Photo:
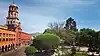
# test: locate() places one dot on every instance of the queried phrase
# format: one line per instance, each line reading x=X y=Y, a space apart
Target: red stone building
x=11 y=35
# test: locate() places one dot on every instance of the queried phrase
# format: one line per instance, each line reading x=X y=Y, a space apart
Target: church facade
x=11 y=35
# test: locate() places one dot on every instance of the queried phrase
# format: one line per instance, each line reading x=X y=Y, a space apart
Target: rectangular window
x=0 y=39
x=11 y=39
x=4 y=34
x=7 y=39
x=11 y=22
x=3 y=39
x=14 y=35
x=0 y=34
x=11 y=35
x=7 y=35
x=8 y=22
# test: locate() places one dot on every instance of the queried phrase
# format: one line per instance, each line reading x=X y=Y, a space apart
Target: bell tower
x=12 y=20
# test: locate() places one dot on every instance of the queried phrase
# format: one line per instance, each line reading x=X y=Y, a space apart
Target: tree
x=98 y=39
x=49 y=31
x=70 y=24
x=87 y=37
x=55 y=28
x=46 y=41
x=67 y=33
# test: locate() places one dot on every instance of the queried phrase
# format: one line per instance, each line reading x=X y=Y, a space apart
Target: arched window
x=8 y=22
x=11 y=14
x=7 y=39
x=10 y=8
x=15 y=14
x=11 y=22
x=14 y=8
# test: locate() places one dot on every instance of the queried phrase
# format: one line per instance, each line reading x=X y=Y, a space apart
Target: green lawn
x=80 y=54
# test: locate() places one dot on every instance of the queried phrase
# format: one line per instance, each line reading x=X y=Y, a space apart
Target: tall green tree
x=70 y=26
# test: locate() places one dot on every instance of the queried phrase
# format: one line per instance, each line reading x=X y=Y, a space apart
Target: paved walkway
x=17 y=52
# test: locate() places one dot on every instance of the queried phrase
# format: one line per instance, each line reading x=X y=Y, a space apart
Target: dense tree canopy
x=68 y=33
x=88 y=37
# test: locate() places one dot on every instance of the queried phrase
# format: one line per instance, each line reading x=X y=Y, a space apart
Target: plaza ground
x=17 y=52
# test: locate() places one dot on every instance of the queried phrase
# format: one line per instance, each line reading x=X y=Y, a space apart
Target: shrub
x=46 y=41
x=30 y=50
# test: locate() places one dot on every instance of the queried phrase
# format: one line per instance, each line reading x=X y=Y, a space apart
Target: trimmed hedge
x=46 y=41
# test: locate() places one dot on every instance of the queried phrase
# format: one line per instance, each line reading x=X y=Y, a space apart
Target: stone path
x=17 y=52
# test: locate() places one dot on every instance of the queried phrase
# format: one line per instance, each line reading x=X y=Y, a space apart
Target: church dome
x=13 y=5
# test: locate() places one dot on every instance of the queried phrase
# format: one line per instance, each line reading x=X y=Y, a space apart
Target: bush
x=30 y=50
x=46 y=41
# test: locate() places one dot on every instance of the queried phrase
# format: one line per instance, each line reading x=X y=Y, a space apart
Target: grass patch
x=81 y=54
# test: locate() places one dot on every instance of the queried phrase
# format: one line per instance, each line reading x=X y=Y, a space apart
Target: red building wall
x=25 y=38
x=12 y=37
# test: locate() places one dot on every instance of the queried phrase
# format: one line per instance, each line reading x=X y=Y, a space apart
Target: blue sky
x=36 y=14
